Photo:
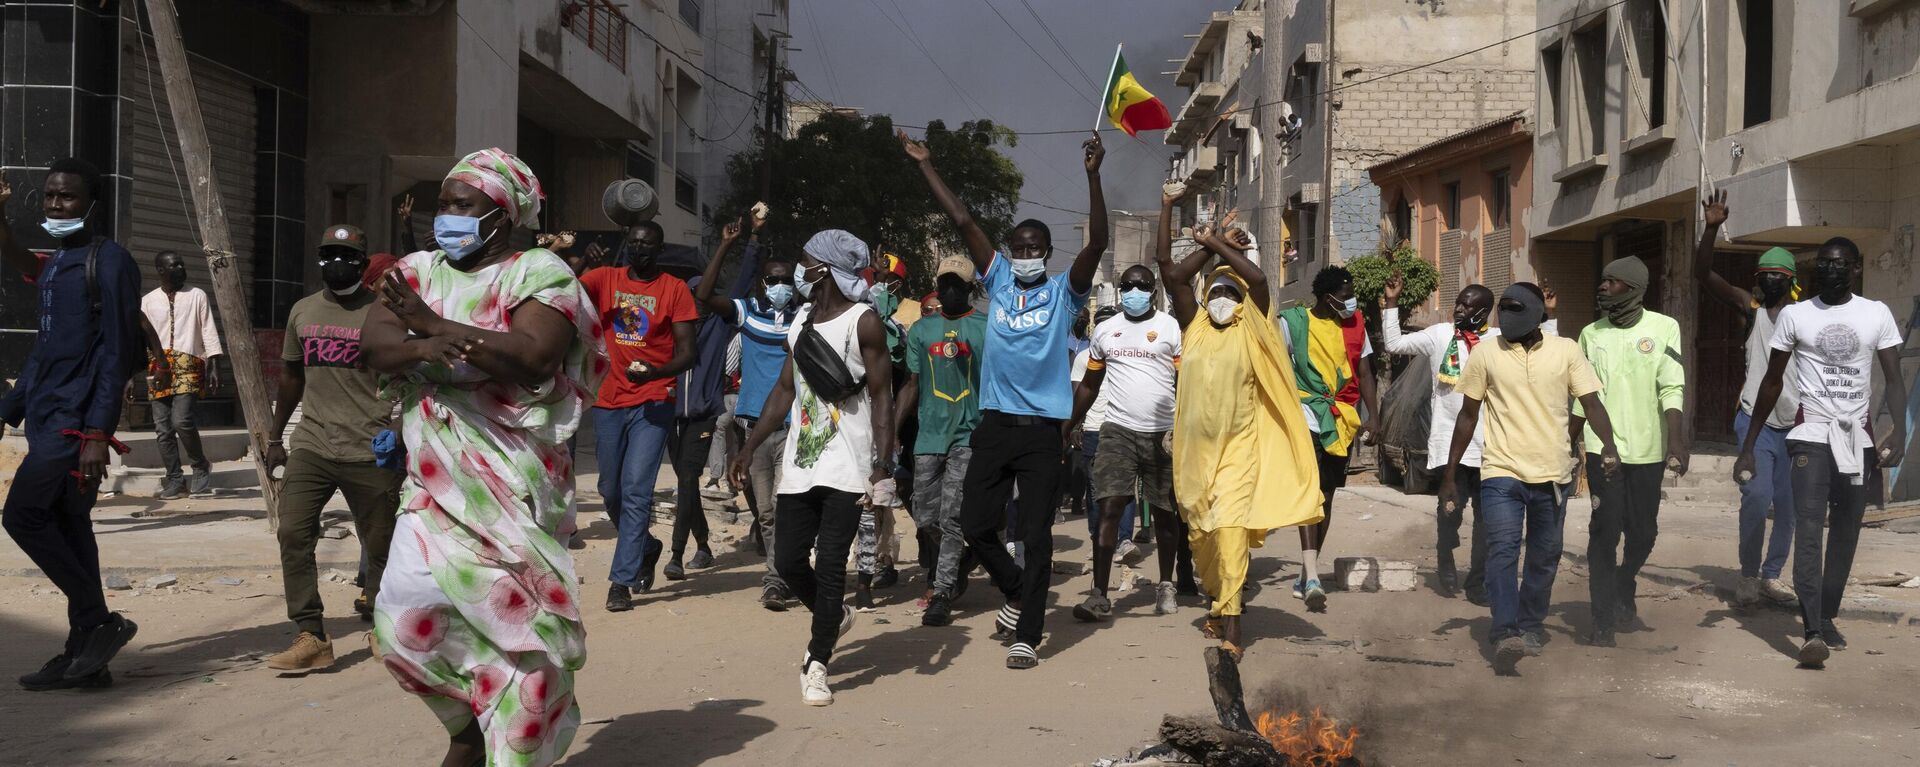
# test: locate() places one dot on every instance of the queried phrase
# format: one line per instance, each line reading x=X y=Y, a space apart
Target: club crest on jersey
x=1152 y=335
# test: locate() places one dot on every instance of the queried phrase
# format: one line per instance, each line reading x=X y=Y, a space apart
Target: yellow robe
x=1242 y=454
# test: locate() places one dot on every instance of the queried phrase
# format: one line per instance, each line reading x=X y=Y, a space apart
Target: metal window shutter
x=160 y=219
x=1496 y=260
x=1451 y=279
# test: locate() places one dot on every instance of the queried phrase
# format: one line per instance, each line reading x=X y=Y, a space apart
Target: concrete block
x=1373 y=574
x=162 y=581
x=118 y=583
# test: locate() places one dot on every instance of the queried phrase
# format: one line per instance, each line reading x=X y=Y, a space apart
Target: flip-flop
x=1232 y=649
x=1211 y=629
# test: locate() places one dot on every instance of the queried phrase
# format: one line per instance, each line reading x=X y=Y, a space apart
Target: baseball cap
x=344 y=235
x=959 y=266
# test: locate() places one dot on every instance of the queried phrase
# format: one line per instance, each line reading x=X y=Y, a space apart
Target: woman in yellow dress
x=1238 y=432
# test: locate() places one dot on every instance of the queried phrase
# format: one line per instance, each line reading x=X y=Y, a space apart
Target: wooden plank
x=1888 y=515
x=228 y=285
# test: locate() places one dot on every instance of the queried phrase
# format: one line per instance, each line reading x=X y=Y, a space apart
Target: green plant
x=1370 y=275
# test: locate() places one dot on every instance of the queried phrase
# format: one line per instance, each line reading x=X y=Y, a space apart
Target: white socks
x=1309 y=565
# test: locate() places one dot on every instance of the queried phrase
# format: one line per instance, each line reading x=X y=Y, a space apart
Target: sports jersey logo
x=1153 y=335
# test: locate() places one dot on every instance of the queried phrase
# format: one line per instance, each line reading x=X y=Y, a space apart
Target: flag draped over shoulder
x=1130 y=107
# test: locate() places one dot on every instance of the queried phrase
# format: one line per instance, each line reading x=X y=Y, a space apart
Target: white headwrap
x=845 y=255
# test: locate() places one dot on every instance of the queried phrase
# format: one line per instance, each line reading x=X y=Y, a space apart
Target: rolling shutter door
x=1450 y=278
x=1496 y=260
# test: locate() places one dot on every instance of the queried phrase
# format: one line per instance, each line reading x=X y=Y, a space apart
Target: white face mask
x=1222 y=310
x=1347 y=309
x=804 y=286
x=1028 y=269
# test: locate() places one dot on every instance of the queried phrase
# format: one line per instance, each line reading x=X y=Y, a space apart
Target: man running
x=69 y=395
x=839 y=452
x=1447 y=348
x=182 y=318
x=1331 y=364
x=1025 y=394
x=1635 y=352
x=649 y=320
x=1770 y=492
x=341 y=409
x=763 y=317
x=1140 y=350
x=1524 y=378
x=943 y=384
x=1832 y=342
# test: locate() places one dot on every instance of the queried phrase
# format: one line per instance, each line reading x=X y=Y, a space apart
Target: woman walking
x=489 y=350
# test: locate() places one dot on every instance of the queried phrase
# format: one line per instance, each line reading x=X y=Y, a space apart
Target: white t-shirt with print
x=1140 y=358
x=1832 y=369
x=1097 y=412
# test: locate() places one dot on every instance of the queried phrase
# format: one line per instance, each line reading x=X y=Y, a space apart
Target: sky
x=888 y=57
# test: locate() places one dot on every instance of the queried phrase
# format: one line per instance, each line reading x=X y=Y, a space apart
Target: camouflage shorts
x=1125 y=457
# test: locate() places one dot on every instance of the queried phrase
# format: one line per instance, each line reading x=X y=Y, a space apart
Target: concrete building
x=334 y=111
x=1216 y=125
x=1807 y=114
x=1463 y=202
x=1356 y=83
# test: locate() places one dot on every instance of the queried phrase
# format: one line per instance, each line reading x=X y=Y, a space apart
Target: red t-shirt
x=638 y=316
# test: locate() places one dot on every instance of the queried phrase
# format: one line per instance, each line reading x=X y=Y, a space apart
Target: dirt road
x=700 y=674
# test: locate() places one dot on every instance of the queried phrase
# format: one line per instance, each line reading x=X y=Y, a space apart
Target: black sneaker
x=886 y=578
x=648 y=562
x=774 y=597
x=619 y=598
x=1447 y=578
x=363 y=606
x=1097 y=609
x=1830 y=634
x=939 y=611
x=102 y=643
x=701 y=560
x=1601 y=637
x=1536 y=643
x=675 y=571
x=96 y=680
x=1507 y=655
x=50 y=676
x=1814 y=653
x=863 y=597
x=1478 y=597
x=1627 y=615
x=172 y=490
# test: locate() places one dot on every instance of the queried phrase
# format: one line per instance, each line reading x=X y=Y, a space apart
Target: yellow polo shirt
x=1524 y=396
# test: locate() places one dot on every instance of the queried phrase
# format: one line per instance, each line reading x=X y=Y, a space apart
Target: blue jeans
x=1090 y=444
x=1770 y=494
x=630 y=442
x=1512 y=511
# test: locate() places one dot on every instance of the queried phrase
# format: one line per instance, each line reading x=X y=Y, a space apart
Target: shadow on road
x=710 y=730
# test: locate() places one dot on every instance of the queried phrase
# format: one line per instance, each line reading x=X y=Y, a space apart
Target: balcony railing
x=601 y=24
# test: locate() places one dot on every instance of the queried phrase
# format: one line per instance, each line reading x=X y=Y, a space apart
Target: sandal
x=1232 y=649
x=1211 y=628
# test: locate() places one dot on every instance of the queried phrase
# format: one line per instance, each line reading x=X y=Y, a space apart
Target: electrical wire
x=1036 y=54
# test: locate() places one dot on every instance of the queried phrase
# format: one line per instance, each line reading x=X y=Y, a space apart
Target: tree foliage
x=848 y=172
x=1370 y=274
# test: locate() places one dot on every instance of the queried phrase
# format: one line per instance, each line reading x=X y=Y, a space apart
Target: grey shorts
x=1125 y=456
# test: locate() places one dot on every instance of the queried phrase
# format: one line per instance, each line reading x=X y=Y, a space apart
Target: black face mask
x=638 y=257
x=1772 y=290
x=1474 y=322
x=175 y=276
x=1836 y=278
x=341 y=274
x=954 y=298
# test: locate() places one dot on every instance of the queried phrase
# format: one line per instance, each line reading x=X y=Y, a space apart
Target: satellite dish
x=629 y=201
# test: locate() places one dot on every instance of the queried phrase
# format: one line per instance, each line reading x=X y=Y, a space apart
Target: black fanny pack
x=824 y=368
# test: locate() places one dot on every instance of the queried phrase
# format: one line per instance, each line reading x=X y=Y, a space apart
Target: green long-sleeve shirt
x=1641 y=377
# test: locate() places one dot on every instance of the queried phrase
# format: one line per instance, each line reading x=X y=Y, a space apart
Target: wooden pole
x=228 y=293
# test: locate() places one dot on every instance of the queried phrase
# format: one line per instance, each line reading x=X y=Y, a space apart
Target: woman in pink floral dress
x=488 y=349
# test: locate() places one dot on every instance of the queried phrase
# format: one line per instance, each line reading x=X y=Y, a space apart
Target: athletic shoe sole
x=1506 y=659
x=1316 y=601
x=1814 y=654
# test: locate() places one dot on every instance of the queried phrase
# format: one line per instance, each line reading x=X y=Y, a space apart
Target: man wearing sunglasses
x=1026 y=395
x=763 y=318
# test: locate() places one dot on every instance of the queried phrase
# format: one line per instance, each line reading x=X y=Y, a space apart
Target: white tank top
x=829 y=444
x=1757 y=353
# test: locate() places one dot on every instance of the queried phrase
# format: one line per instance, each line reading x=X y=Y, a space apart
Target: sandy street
x=700 y=674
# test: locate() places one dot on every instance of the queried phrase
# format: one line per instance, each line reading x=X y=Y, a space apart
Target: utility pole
x=770 y=106
x=227 y=291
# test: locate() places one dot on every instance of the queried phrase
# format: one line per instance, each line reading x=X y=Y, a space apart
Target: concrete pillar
x=1273 y=81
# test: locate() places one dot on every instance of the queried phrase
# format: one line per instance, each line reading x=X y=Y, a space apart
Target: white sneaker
x=846 y=619
x=1164 y=602
x=813 y=685
x=1779 y=590
x=1127 y=553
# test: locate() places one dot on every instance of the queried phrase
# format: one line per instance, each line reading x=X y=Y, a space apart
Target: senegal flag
x=1128 y=106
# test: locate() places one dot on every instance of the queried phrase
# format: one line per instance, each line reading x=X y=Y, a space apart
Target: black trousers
x=1466 y=481
x=1010 y=451
x=821 y=520
x=1824 y=498
x=50 y=516
x=687 y=450
x=1626 y=506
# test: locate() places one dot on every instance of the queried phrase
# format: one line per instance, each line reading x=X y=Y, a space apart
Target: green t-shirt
x=945 y=354
x=1640 y=379
x=341 y=408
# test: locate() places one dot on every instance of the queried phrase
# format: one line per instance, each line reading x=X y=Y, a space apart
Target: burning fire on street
x=1276 y=738
x=1315 y=740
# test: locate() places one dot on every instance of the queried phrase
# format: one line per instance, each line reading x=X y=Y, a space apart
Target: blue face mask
x=1028 y=270
x=779 y=296
x=1347 y=308
x=460 y=236
x=1136 y=302
x=62 y=228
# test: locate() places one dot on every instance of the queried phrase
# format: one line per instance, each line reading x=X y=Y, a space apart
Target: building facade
x=1806 y=114
x=1215 y=127
x=1462 y=203
x=1355 y=83
x=328 y=111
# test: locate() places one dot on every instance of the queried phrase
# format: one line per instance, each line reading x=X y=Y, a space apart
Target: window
x=1756 y=31
x=1551 y=115
x=1500 y=199
x=1590 y=73
x=1450 y=210
x=601 y=25
x=1303 y=92
x=1306 y=238
x=690 y=12
x=641 y=165
x=686 y=191
x=1400 y=222
x=1646 y=65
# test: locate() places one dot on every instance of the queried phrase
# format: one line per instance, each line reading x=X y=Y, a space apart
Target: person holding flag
x=1128 y=106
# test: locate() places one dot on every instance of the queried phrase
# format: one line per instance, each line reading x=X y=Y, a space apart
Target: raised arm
x=979 y=248
x=1177 y=279
x=1398 y=341
x=710 y=277
x=1234 y=252
x=1085 y=264
x=1713 y=213
x=405 y=213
